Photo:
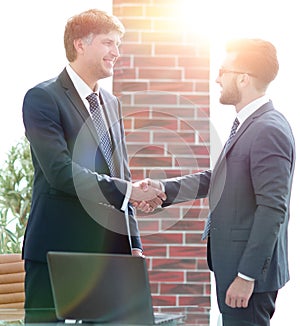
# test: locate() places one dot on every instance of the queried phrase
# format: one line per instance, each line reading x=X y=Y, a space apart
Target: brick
x=195 y=212
x=163 y=238
x=169 y=86
x=198 y=163
x=137 y=23
x=177 y=50
x=202 y=86
x=196 y=73
x=189 y=149
x=163 y=300
x=136 y=48
x=194 y=62
x=137 y=136
x=196 y=276
x=166 y=276
x=154 y=98
x=139 y=112
x=125 y=61
x=155 y=73
x=203 y=112
x=184 y=225
x=202 y=98
x=154 y=288
x=162 y=37
x=158 y=124
x=148 y=161
x=157 y=251
x=144 y=149
x=130 y=86
x=173 y=137
x=200 y=125
x=148 y=226
x=118 y=3
x=166 y=173
x=122 y=73
x=137 y=174
x=199 y=300
x=160 y=10
x=131 y=37
x=176 y=111
x=128 y=123
x=173 y=264
x=153 y=62
x=131 y=11
x=185 y=289
x=188 y=251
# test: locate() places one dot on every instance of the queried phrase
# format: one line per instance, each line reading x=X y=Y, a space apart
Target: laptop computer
x=103 y=288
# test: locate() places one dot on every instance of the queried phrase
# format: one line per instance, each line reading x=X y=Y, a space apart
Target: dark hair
x=89 y=22
x=255 y=56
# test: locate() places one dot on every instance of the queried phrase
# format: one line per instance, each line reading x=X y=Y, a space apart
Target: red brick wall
x=162 y=79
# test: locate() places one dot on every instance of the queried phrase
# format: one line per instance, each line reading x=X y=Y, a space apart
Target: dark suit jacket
x=249 y=194
x=75 y=204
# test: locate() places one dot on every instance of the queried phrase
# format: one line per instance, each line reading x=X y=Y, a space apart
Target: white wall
x=32 y=51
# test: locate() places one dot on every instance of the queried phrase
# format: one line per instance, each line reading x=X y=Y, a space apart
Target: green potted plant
x=16 y=176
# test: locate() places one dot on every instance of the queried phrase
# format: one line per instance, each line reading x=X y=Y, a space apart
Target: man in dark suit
x=82 y=189
x=249 y=190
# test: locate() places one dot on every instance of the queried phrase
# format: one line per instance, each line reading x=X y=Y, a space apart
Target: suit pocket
x=240 y=234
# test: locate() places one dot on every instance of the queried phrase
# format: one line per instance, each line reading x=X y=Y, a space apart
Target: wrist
x=245 y=277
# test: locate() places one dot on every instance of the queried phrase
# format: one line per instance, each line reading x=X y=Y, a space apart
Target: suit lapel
x=110 y=105
x=247 y=123
x=77 y=104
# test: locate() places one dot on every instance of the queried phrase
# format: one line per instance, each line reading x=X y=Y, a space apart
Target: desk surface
x=16 y=317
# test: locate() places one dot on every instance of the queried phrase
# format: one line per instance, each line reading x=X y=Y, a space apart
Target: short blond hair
x=90 y=22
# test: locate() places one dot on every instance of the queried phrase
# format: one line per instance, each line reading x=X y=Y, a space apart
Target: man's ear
x=244 y=79
x=79 y=45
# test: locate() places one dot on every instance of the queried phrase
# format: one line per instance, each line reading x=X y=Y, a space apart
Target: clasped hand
x=147 y=195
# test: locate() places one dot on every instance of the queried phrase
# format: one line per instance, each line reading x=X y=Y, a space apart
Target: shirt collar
x=81 y=87
x=251 y=108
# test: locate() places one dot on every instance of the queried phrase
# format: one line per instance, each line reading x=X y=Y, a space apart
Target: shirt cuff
x=162 y=186
x=127 y=196
x=245 y=277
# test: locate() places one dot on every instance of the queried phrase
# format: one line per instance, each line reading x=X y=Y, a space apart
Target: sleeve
x=271 y=168
x=186 y=188
x=47 y=135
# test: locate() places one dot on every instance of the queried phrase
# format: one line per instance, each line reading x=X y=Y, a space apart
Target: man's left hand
x=239 y=293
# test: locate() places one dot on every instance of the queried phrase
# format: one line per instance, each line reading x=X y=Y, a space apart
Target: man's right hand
x=147 y=195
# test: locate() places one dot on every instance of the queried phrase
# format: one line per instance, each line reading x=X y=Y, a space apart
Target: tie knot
x=92 y=99
x=235 y=124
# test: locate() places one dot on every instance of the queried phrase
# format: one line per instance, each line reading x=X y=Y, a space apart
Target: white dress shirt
x=84 y=90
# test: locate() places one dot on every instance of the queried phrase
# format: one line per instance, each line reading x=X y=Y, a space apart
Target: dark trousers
x=260 y=310
x=39 y=304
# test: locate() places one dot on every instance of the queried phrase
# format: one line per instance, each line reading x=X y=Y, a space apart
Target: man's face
x=227 y=79
x=100 y=54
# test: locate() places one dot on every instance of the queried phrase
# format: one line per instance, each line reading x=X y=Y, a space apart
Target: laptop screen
x=101 y=287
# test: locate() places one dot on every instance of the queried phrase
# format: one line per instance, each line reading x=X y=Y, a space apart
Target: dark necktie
x=102 y=131
x=232 y=133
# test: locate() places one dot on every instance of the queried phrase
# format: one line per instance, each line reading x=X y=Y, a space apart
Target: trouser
x=39 y=303
x=260 y=310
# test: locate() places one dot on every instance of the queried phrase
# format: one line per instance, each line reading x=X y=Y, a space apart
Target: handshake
x=147 y=195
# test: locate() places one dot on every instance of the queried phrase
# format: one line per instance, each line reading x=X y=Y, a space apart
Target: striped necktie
x=232 y=133
x=102 y=131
